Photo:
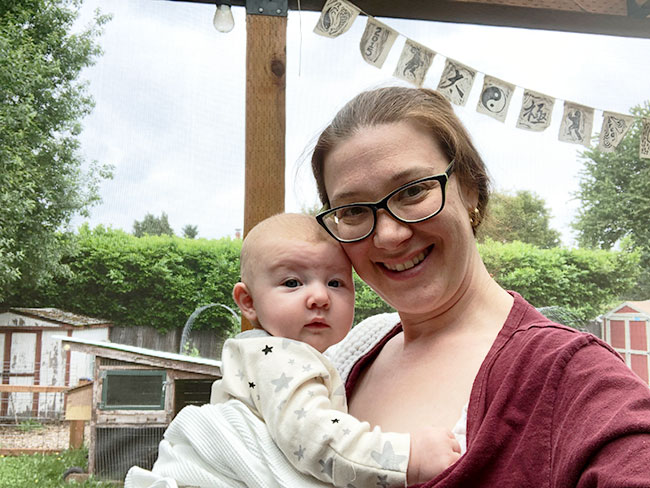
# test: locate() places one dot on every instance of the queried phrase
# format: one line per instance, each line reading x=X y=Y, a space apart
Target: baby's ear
x=244 y=301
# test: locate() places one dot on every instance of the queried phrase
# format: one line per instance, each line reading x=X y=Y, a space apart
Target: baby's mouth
x=410 y=263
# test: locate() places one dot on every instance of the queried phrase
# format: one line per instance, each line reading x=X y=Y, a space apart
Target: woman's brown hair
x=395 y=104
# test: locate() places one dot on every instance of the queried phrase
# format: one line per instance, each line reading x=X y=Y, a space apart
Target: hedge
x=160 y=280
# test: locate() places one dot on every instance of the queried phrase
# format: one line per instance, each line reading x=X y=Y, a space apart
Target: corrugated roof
x=60 y=316
x=142 y=351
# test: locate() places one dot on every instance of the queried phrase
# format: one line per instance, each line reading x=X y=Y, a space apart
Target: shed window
x=134 y=389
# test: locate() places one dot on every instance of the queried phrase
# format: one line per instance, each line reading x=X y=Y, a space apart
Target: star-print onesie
x=297 y=392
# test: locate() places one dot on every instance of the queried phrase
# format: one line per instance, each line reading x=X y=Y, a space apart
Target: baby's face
x=304 y=291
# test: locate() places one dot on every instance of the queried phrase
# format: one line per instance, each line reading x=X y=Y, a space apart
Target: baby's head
x=296 y=281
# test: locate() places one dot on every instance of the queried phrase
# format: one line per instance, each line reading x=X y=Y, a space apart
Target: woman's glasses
x=411 y=203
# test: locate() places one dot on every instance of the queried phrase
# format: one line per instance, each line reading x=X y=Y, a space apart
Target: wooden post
x=266 y=38
x=77 y=434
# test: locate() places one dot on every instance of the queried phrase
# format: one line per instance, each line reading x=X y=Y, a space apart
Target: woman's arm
x=601 y=434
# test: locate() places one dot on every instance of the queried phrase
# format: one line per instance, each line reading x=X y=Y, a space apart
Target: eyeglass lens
x=415 y=202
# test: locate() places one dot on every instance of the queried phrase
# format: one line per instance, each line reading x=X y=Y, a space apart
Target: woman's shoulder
x=360 y=340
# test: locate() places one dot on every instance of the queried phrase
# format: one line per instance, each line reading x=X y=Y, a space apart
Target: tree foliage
x=153 y=226
x=614 y=199
x=190 y=231
x=160 y=280
x=519 y=217
x=584 y=281
x=42 y=102
x=156 y=281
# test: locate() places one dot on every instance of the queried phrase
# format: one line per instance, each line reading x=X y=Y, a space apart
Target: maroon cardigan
x=550 y=407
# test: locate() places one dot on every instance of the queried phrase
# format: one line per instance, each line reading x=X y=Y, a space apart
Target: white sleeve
x=301 y=397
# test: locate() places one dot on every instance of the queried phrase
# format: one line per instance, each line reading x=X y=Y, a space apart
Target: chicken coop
x=136 y=393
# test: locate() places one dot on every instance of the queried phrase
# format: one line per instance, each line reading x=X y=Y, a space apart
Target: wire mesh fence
x=31 y=416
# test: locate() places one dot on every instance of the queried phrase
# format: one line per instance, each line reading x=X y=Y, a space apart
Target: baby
x=297 y=290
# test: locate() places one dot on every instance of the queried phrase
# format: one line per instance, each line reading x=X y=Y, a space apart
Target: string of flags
x=457 y=80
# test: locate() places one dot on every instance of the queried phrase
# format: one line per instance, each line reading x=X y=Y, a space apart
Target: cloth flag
x=576 y=125
x=414 y=62
x=644 y=145
x=336 y=18
x=456 y=82
x=495 y=98
x=376 y=42
x=536 y=110
x=615 y=126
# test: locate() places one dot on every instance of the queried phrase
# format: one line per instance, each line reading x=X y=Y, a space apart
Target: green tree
x=614 y=199
x=42 y=102
x=153 y=226
x=190 y=231
x=520 y=217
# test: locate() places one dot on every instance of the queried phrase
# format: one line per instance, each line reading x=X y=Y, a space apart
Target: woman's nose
x=318 y=297
x=389 y=232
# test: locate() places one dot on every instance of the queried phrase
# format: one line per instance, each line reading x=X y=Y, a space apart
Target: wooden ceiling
x=626 y=18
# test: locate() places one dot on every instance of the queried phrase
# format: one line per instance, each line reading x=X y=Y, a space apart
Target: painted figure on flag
x=414 y=62
x=336 y=18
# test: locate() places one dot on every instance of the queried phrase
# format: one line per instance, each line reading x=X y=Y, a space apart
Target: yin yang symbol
x=493 y=99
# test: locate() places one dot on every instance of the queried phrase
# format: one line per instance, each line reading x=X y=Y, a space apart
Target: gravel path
x=50 y=436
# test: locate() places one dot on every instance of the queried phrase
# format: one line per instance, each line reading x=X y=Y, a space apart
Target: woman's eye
x=351 y=214
x=291 y=283
x=334 y=283
x=412 y=191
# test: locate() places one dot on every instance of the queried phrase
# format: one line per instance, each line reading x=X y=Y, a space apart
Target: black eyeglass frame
x=442 y=178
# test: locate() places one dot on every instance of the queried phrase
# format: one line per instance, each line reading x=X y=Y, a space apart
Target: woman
x=547 y=405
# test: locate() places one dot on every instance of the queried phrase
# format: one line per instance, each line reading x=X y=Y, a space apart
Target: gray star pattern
x=306 y=367
x=310 y=393
x=292 y=361
x=327 y=466
x=382 y=481
x=302 y=413
x=300 y=453
x=346 y=431
x=388 y=459
x=282 y=382
x=240 y=374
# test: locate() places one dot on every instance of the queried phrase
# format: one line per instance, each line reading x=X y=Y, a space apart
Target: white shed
x=31 y=356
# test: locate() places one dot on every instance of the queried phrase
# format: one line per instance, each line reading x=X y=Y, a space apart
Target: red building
x=625 y=328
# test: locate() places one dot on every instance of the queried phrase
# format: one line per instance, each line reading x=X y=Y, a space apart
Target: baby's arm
x=300 y=396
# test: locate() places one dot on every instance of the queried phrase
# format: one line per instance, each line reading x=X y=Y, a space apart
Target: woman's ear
x=244 y=301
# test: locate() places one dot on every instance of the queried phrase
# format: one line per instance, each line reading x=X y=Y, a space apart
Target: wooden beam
x=266 y=60
x=482 y=13
x=32 y=389
x=265 y=117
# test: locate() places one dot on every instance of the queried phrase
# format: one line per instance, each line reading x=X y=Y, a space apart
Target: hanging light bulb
x=223 y=20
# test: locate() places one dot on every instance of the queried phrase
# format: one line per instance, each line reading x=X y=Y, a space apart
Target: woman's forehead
x=380 y=158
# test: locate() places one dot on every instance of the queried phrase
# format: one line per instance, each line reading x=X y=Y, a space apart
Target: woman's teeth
x=408 y=264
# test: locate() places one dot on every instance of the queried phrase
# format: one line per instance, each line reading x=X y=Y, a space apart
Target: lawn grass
x=44 y=470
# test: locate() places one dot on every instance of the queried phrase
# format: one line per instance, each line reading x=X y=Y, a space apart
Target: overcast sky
x=170 y=105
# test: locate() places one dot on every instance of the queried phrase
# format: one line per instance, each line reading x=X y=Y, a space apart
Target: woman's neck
x=481 y=307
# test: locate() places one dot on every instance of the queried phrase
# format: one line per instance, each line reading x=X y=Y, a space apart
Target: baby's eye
x=291 y=283
x=334 y=283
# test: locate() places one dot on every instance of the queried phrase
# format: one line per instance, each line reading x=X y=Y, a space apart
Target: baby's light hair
x=290 y=226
